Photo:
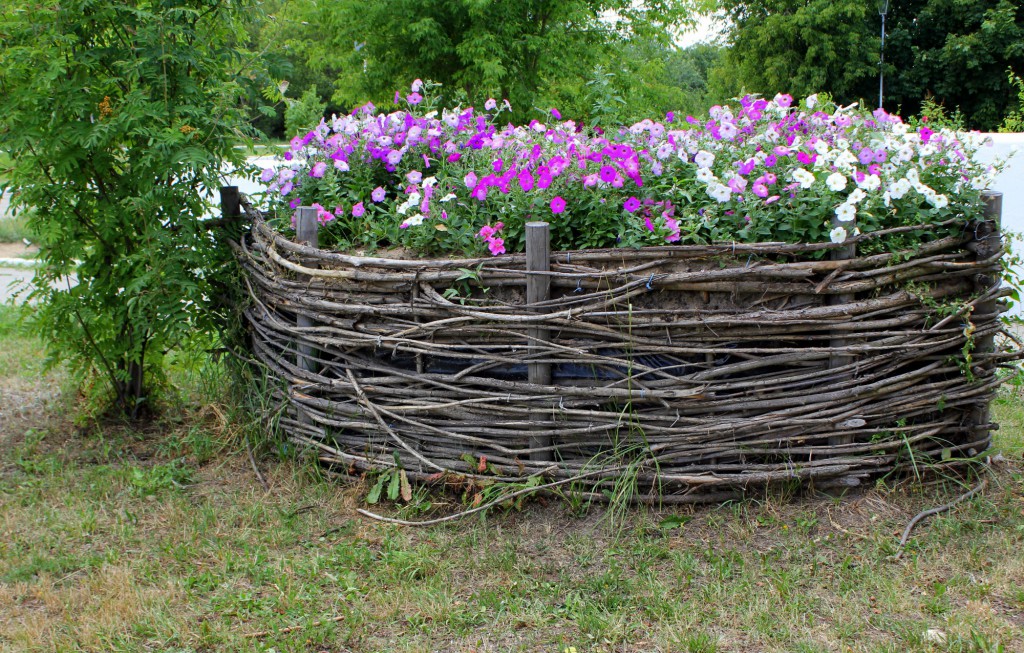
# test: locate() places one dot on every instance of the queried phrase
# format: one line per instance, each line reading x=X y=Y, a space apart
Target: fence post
x=306 y=226
x=988 y=241
x=538 y=289
x=231 y=212
x=837 y=340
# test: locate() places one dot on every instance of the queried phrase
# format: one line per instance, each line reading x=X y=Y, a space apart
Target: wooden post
x=988 y=242
x=231 y=212
x=836 y=360
x=306 y=226
x=538 y=289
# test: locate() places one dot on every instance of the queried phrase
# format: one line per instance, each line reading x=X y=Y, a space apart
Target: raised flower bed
x=695 y=368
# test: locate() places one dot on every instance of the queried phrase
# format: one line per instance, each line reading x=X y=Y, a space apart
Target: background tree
x=535 y=53
x=121 y=119
x=955 y=52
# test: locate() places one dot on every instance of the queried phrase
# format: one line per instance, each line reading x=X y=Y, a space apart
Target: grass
x=115 y=538
x=15 y=229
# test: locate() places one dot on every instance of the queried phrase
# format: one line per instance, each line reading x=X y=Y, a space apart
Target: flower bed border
x=821 y=370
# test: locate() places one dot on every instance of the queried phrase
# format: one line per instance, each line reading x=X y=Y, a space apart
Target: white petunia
x=704 y=159
x=846 y=212
x=414 y=221
x=719 y=192
x=811 y=101
x=856 y=196
x=447 y=198
x=870 y=183
x=838 y=235
x=705 y=176
x=803 y=177
x=899 y=188
x=836 y=182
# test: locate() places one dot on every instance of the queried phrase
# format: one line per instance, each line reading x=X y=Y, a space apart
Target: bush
x=121 y=119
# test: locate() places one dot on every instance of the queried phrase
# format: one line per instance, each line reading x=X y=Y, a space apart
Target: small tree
x=121 y=119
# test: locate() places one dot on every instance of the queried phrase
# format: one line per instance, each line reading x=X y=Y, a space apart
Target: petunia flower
x=557 y=205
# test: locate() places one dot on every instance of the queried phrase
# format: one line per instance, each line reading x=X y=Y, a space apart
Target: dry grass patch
x=118 y=538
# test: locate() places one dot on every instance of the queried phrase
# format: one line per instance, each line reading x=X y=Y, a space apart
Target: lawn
x=119 y=538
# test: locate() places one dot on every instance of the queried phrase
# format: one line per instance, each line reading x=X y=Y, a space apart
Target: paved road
x=12 y=280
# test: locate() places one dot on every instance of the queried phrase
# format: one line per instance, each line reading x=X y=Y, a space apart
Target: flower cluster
x=450 y=180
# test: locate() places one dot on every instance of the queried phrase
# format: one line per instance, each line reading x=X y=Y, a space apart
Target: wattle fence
x=697 y=372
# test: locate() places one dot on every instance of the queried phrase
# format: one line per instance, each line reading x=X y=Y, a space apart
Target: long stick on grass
x=934 y=511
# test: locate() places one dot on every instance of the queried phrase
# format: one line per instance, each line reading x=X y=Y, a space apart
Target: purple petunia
x=526 y=181
x=631 y=205
x=557 y=205
x=378 y=194
x=358 y=210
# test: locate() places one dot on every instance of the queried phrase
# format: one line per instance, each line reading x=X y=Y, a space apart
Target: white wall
x=1011 y=184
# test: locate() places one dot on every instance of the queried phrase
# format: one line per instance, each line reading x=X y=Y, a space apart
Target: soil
x=17 y=250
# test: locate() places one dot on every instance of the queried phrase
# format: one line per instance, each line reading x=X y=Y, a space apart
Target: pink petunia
x=557 y=205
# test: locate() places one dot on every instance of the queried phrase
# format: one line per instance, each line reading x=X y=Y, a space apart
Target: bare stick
x=255 y=468
x=935 y=511
x=486 y=506
x=291 y=629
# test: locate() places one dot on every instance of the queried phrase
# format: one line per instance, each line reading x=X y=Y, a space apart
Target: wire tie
x=649 y=282
x=579 y=286
x=568 y=258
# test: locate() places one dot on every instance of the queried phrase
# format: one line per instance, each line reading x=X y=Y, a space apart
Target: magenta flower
x=526 y=181
x=648 y=223
x=670 y=116
x=557 y=205
x=760 y=190
x=318 y=169
x=631 y=205
x=358 y=210
x=590 y=181
x=288 y=156
x=378 y=194
x=556 y=113
x=772 y=200
x=608 y=174
x=496 y=245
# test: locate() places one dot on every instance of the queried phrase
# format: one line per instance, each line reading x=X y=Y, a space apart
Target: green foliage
x=797 y=47
x=955 y=52
x=1014 y=121
x=303 y=114
x=121 y=119
x=534 y=53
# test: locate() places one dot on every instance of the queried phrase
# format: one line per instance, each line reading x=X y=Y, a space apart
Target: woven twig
x=711 y=369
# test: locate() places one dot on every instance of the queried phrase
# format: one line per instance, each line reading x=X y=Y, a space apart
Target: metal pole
x=883 y=9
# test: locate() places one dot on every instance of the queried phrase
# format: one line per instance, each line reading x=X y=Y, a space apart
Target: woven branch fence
x=699 y=372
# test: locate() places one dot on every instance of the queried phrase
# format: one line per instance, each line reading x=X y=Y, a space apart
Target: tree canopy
x=121 y=118
x=954 y=52
x=534 y=53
